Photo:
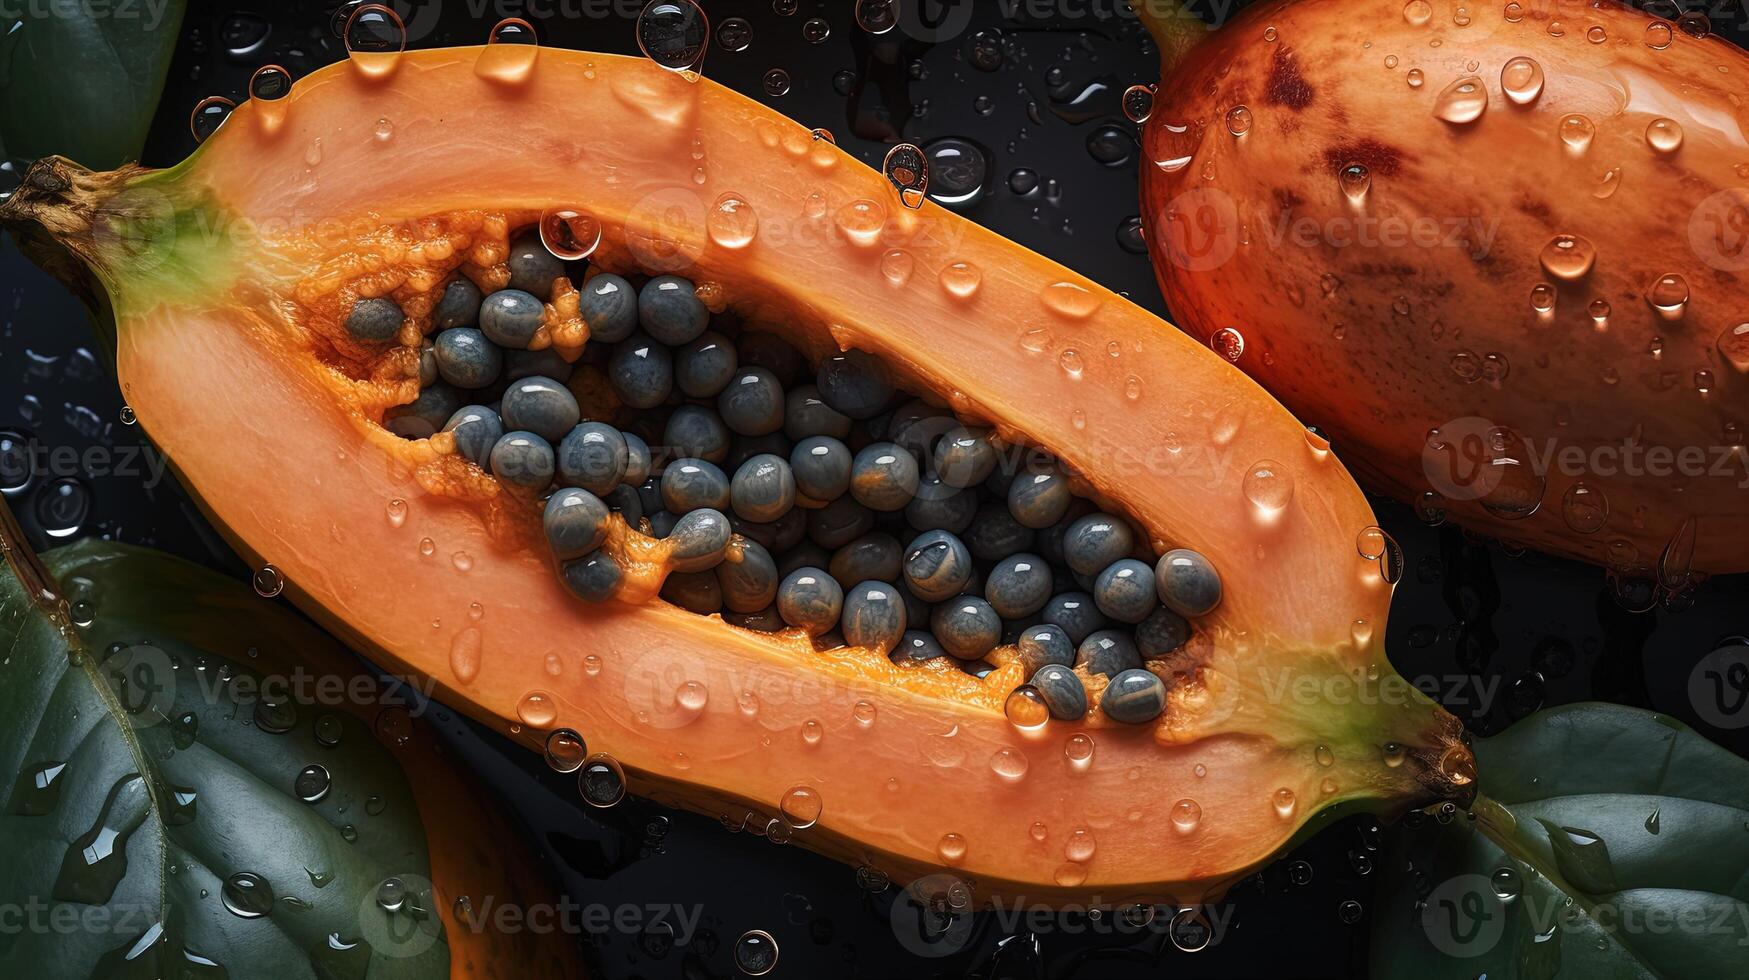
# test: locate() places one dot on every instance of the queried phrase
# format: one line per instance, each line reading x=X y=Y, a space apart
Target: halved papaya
x=232 y=278
x=1496 y=252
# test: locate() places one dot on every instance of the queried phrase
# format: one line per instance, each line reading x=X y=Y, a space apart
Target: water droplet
x=732 y=222
x=1138 y=103
x=734 y=34
x=1186 y=814
x=776 y=82
x=1576 y=132
x=1070 y=300
x=815 y=30
x=1026 y=709
x=1284 y=802
x=1078 y=750
x=464 y=655
x=812 y=732
x=1463 y=101
x=1393 y=754
x=1585 y=508
x=1664 y=135
x=565 y=750
x=209 y=114
x=512 y=47
x=801 y=807
x=1080 y=846
x=462 y=561
x=1239 y=120
x=1695 y=24
x=247 y=895
x=601 y=781
x=1568 y=257
x=375 y=38
x=312 y=783
x=861 y=221
x=1008 y=765
x=1269 y=487
x=863 y=713
x=1596 y=34
x=1658 y=35
x=897 y=266
x=1542 y=299
x=1190 y=929
x=1652 y=822
x=270 y=83
x=268 y=581
x=1229 y=343
x=569 y=233
x=952 y=848
x=1507 y=884
x=756 y=953
x=1668 y=295
x=674 y=34
x=1355 y=180
x=907 y=169
x=1071 y=363
x=961 y=279
x=1417 y=12
x=536 y=709
x=1416 y=78
x=1522 y=80
x=397 y=512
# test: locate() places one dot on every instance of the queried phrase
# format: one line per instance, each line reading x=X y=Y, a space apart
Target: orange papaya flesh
x=232 y=352
x=1520 y=307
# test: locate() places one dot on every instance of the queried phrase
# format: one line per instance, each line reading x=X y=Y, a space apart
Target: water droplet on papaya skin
x=375 y=38
x=1522 y=80
x=512 y=47
x=1229 y=343
x=1668 y=296
x=1733 y=344
x=1585 y=508
x=1664 y=135
x=1138 y=103
x=952 y=848
x=1186 y=814
x=1416 y=78
x=1576 y=132
x=861 y=221
x=1658 y=35
x=1269 y=487
x=1568 y=257
x=565 y=750
x=1025 y=709
x=1462 y=102
x=1355 y=179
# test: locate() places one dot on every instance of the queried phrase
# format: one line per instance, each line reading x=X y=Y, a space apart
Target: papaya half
x=1495 y=251
x=251 y=344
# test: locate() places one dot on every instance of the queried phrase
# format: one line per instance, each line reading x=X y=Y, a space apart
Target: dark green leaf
x=83 y=79
x=147 y=765
x=1609 y=842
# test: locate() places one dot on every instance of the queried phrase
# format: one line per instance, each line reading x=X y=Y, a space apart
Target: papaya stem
x=1176 y=29
x=38 y=582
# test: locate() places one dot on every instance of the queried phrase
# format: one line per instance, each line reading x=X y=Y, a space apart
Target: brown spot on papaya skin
x=1286 y=85
x=1534 y=208
x=1286 y=200
x=1382 y=159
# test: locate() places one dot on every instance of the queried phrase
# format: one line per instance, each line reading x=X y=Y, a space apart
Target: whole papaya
x=1495 y=251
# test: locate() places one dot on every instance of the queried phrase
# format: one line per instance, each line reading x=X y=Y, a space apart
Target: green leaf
x=1609 y=842
x=83 y=79
x=152 y=756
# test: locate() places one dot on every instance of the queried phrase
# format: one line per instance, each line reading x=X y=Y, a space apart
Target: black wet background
x=1494 y=635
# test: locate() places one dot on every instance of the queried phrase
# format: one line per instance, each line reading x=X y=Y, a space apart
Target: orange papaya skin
x=1422 y=302
x=1280 y=711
